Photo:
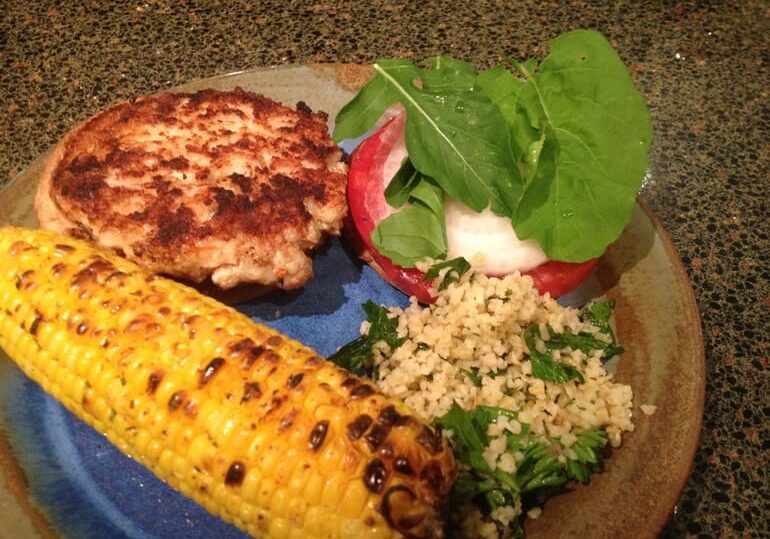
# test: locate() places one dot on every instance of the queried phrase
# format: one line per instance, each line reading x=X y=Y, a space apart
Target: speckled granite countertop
x=703 y=68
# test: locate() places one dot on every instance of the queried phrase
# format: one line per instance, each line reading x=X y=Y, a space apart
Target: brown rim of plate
x=683 y=277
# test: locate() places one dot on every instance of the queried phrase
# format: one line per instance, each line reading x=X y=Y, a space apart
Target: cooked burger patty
x=227 y=185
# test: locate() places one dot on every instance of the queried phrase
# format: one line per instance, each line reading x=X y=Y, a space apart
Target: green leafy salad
x=559 y=146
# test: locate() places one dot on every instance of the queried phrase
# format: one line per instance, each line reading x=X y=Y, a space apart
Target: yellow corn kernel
x=279 y=528
x=251 y=424
x=265 y=493
x=296 y=509
x=314 y=489
x=278 y=505
x=246 y=513
x=141 y=440
x=302 y=472
x=200 y=450
x=314 y=517
x=251 y=484
x=333 y=491
x=353 y=499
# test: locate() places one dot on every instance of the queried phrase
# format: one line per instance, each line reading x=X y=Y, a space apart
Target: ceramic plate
x=59 y=478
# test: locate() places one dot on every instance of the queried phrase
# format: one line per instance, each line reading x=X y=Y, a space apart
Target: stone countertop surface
x=702 y=66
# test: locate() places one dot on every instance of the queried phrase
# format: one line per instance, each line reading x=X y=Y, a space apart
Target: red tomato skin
x=558 y=278
x=366 y=185
x=366 y=199
x=367 y=204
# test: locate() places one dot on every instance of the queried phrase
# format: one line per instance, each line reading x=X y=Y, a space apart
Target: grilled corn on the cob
x=252 y=425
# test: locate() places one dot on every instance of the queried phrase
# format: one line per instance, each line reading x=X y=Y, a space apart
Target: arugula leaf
x=503 y=88
x=455 y=134
x=448 y=74
x=416 y=231
x=428 y=193
x=401 y=185
x=594 y=156
x=411 y=235
x=543 y=364
x=354 y=354
x=459 y=266
x=363 y=111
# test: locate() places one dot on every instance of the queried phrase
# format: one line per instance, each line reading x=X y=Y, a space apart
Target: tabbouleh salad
x=516 y=382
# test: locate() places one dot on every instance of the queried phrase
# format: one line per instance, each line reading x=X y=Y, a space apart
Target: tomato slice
x=366 y=199
x=558 y=278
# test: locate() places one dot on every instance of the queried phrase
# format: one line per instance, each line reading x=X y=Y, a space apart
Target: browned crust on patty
x=227 y=186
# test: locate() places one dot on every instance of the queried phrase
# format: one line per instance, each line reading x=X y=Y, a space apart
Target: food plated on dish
x=287 y=308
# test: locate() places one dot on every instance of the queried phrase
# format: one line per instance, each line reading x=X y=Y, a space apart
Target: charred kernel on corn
x=318 y=435
x=294 y=379
x=154 y=381
x=359 y=392
x=402 y=466
x=210 y=370
x=375 y=475
x=252 y=425
x=251 y=390
x=235 y=473
x=176 y=400
x=358 y=426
